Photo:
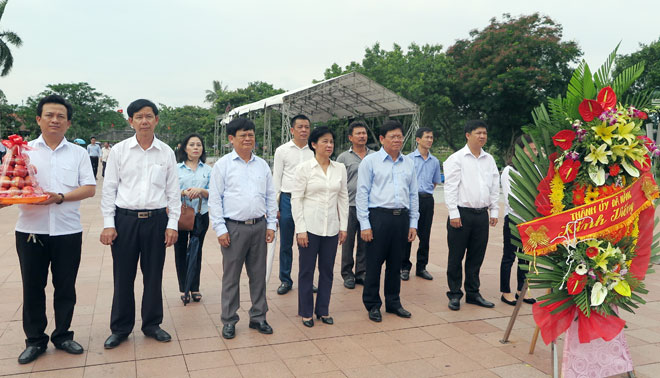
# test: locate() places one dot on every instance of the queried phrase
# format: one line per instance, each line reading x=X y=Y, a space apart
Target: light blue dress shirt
x=385 y=183
x=241 y=191
x=198 y=178
x=428 y=171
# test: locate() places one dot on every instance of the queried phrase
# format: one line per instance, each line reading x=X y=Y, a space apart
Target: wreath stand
x=532 y=346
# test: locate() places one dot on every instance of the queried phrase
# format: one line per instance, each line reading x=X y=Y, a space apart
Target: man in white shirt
x=287 y=157
x=141 y=205
x=105 y=152
x=50 y=233
x=243 y=213
x=471 y=190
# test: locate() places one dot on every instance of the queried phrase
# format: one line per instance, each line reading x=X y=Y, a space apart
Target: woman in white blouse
x=319 y=204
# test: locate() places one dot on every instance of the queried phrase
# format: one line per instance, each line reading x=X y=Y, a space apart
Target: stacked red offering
x=18 y=181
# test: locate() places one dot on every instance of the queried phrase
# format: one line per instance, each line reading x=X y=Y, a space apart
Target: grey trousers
x=247 y=245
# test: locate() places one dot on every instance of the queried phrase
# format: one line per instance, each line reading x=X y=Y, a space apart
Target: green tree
x=255 y=91
x=213 y=94
x=175 y=123
x=93 y=111
x=422 y=74
x=7 y=38
x=506 y=69
x=650 y=55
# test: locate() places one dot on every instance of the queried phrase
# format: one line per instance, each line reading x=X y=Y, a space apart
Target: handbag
x=187 y=217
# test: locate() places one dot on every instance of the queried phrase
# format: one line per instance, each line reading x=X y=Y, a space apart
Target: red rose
x=607 y=98
x=592 y=252
x=569 y=170
x=590 y=109
x=564 y=139
x=576 y=283
x=642 y=115
x=614 y=169
x=645 y=165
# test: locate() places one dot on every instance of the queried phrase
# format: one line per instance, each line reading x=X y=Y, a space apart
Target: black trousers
x=95 y=164
x=390 y=234
x=508 y=257
x=180 y=256
x=347 y=261
x=426 y=208
x=325 y=248
x=36 y=252
x=103 y=171
x=469 y=241
x=140 y=239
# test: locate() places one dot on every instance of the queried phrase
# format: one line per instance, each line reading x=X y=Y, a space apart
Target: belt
x=402 y=211
x=142 y=214
x=474 y=210
x=249 y=221
x=425 y=195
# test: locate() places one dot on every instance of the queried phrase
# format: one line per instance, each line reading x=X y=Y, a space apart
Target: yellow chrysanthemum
x=591 y=197
x=557 y=194
x=635 y=229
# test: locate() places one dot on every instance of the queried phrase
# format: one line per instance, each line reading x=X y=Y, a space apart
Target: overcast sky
x=171 y=51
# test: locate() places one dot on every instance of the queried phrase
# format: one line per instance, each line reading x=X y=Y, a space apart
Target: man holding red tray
x=49 y=233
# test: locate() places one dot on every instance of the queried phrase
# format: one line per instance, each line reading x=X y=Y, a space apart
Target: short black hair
x=519 y=140
x=55 y=99
x=389 y=126
x=139 y=104
x=93 y=137
x=420 y=132
x=182 y=155
x=241 y=123
x=300 y=116
x=354 y=125
x=318 y=133
x=474 y=124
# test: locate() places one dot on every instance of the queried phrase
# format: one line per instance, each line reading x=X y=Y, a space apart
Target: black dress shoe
x=228 y=331
x=424 y=274
x=400 y=312
x=405 y=275
x=326 y=319
x=114 y=340
x=159 y=335
x=349 y=283
x=454 y=304
x=315 y=289
x=374 y=315
x=70 y=346
x=510 y=303
x=283 y=289
x=262 y=327
x=479 y=301
x=359 y=280
x=30 y=354
x=308 y=323
x=527 y=300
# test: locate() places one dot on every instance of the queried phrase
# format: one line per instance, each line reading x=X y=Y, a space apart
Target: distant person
x=49 y=233
x=105 y=152
x=357 y=135
x=94 y=151
x=141 y=205
x=194 y=177
x=471 y=190
x=244 y=216
x=509 y=250
x=387 y=208
x=427 y=169
x=319 y=203
x=286 y=159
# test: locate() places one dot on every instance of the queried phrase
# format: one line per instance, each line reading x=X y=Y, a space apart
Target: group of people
x=317 y=202
x=97 y=152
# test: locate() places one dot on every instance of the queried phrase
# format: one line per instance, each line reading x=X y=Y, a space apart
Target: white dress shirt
x=286 y=159
x=138 y=179
x=471 y=181
x=59 y=171
x=241 y=191
x=319 y=200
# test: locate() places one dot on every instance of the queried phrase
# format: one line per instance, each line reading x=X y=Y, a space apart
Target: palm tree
x=212 y=95
x=6 y=38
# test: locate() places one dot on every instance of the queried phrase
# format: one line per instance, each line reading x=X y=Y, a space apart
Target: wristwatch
x=61 y=199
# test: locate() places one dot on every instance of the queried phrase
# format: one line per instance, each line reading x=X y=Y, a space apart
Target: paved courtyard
x=434 y=342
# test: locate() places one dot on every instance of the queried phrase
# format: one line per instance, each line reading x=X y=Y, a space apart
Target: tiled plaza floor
x=434 y=342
